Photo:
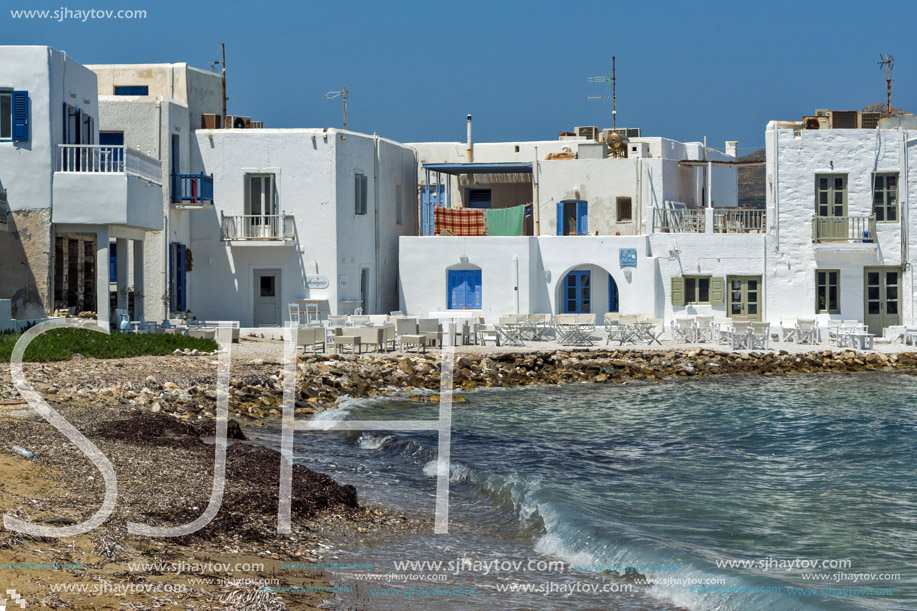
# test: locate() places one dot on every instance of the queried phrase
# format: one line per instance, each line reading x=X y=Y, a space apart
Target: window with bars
x=831 y=195
x=624 y=209
x=885 y=198
x=827 y=291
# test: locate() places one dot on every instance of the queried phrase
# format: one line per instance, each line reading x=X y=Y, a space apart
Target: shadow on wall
x=25 y=250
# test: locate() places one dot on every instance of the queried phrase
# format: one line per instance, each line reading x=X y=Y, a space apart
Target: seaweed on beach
x=157 y=429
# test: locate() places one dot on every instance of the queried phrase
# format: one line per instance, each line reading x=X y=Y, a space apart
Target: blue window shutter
x=113 y=262
x=582 y=216
x=478 y=289
x=20 y=116
x=173 y=296
x=182 y=287
x=560 y=218
x=452 y=284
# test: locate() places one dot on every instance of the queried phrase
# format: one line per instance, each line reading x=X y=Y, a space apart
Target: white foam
x=457 y=472
x=373 y=442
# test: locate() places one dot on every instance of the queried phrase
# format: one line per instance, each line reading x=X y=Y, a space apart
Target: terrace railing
x=738 y=220
x=852 y=229
x=686 y=220
x=192 y=188
x=278 y=227
x=108 y=159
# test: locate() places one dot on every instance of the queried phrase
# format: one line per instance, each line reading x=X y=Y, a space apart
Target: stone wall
x=25 y=263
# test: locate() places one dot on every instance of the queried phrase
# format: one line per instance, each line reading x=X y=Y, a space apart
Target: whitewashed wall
x=794 y=159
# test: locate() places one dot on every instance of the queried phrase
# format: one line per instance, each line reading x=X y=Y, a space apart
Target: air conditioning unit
x=238 y=122
x=870 y=120
x=817 y=122
x=844 y=119
x=211 y=121
x=822 y=112
x=590 y=132
x=627 y=132
x=257 y=125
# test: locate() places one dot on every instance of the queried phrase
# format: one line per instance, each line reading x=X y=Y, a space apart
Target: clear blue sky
x=415 y=69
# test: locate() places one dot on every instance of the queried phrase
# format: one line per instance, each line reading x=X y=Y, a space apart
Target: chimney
x=732 y=148
x=469 y=150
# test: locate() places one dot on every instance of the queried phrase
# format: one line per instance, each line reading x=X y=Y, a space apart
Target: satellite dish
x=616 y=143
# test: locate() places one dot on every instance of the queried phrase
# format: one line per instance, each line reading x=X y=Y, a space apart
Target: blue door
x=577 y=295
x=613 y=300
x=113 y=262
x=464 y=287
x=428 y=199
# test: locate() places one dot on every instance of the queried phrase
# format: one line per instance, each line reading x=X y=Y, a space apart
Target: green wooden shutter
x=717 y=291
x=678 y=291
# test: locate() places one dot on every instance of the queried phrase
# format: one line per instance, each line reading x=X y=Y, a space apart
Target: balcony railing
x=738 y=220
x=108 y=159
x=192 y=189
x=686 y=220
x=851 y=229
x=277 y=227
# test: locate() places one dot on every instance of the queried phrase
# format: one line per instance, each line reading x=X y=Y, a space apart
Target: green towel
x=505 y=221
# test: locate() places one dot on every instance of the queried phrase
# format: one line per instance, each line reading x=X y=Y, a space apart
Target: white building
x=300 y=214
x=607 y=232
x=67 y=196
x=155 y=108
x=839 y=220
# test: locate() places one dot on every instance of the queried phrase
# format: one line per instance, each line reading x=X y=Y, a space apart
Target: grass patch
x=62 y=344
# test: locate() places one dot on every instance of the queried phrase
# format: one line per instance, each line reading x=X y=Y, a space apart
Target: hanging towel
x=459 y=221
x=505 y=221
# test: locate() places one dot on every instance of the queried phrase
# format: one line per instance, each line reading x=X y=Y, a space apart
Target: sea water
x=794 y=492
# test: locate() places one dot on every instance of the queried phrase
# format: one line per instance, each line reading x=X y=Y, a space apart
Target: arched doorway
x=588 y=289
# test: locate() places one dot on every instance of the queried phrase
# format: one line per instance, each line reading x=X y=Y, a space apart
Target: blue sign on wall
x=627 y=257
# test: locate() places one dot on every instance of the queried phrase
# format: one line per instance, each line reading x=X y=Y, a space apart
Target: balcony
x=681 y=220
x=107 y=185
x=738 y=220
x=192 y=190
x=844 y=229
x=258 y=229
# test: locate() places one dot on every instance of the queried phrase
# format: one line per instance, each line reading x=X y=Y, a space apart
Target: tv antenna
x=222 y=64
x=608 y=79
x=887 y=63
x=343 y=95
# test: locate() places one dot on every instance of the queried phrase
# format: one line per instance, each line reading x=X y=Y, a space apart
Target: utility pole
x=222 y=64
x=343 y=95
x=608 y=80
x=887 y=64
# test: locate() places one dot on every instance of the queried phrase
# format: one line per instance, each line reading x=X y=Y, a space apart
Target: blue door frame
x=614 y=300
x=577 y=293
x=178 y=265
x=465 y=291
x=428 y=200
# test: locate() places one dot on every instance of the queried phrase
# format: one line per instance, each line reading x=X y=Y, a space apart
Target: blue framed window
x=572 y=218
x=178 y=287
x=613 y=298
x=465 y=291
x=132 y=90
x=577 y=296
x=14 y=115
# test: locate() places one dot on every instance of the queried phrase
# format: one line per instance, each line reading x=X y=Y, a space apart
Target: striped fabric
x=459 y=221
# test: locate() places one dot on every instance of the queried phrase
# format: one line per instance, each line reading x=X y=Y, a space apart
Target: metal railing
x=685 y=220
x=192 y=188
x=258 y=227
x=853 y=229
x=108 y=159
x=738 y=220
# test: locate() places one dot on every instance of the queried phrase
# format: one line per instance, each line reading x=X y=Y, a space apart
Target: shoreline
x=149 y=415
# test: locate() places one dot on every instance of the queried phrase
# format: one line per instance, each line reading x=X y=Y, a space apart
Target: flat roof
x=480 y=168
x=700 y=163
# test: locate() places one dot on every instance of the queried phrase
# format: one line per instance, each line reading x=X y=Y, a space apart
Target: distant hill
x=751 y=180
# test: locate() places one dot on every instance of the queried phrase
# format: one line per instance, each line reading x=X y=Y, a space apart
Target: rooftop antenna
x=887 y=63
x=608 y=79
x=343 y=94
x=222 y=63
